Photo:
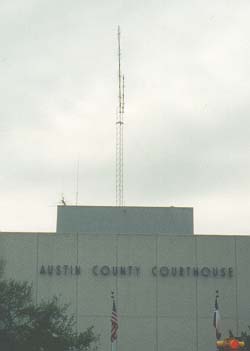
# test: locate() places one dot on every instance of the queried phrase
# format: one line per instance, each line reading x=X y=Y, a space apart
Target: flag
x=216 y=319
x=114 y=323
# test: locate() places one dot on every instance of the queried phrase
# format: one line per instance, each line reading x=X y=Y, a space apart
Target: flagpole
x=112 y=343
x=216 y=317
x=114 y=324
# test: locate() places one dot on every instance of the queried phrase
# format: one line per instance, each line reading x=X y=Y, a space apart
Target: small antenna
x=77 y=181
x=119 y=129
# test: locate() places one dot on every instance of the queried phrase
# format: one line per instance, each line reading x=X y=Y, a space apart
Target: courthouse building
x=164 y=277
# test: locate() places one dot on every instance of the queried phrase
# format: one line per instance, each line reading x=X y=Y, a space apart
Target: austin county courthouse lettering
x=60 y=269
x=216 y=272
x=129 y=271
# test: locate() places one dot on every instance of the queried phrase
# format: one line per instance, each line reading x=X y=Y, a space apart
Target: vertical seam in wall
x=77 y=278
x=156 y=294
x=36 y=281
x=196 y=299
x=116 y=282
x=236 y=287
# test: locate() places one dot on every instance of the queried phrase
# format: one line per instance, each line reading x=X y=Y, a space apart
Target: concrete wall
x=155 y=312
x=124 y=220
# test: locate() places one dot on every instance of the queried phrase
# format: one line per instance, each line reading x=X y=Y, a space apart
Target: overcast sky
x=187 y=126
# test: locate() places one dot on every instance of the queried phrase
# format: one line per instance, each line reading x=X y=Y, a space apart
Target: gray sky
x=186 y=137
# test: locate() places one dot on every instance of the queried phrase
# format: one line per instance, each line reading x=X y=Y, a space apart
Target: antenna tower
x=119 y=129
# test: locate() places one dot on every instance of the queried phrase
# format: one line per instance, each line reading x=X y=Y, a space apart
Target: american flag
x=216 y=319
x=114 y=323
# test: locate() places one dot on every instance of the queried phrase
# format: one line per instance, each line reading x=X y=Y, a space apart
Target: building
x=164 y=277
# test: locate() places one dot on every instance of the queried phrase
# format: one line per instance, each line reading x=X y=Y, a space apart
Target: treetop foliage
x=25 y=326
x=245 y=336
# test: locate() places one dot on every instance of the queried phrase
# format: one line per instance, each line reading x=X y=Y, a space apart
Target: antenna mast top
x=119 y=129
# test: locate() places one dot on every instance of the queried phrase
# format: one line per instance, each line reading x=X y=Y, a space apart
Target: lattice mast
x=119 y=129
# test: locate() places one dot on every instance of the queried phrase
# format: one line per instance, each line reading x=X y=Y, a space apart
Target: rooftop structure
x=124 y=220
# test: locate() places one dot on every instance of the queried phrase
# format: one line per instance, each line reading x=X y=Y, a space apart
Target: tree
x=25 y=326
